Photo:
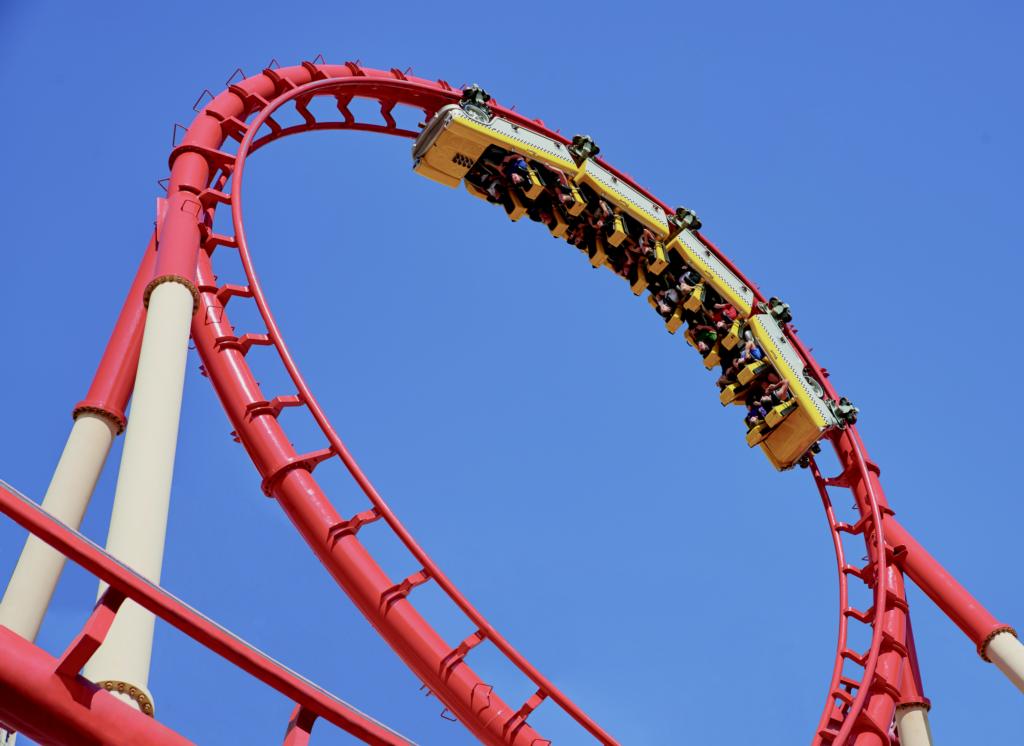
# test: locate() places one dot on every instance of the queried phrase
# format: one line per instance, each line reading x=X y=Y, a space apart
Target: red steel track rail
x=865 y=686
x=22 y=693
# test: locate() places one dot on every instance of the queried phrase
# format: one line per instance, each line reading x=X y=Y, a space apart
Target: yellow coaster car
x=696 y=299
x=475 y=191
x=515 y=208
x=638 y=282
x=790 y=439
x=799 y=427
x=598 y=252
x=558 y=225
x=617 y=230
x=757 y=434
x=750 y=371
x=578 y=203
x=714 y=357
x=535 y=187
x=780 y=411
x=459 y=136
x=660 y=261
x=732 y=394
x=733 y=337
x=714 y=271
x=610 y=187
x=675 y=320
x=454 y=139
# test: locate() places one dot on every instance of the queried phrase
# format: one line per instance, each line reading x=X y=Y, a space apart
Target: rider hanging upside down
x=514 y=167
x=764 y=394
x=666 y=301
x=723 y=314
x=704 y=336
x=600 y=215
x=645 y=245
x=746 y=352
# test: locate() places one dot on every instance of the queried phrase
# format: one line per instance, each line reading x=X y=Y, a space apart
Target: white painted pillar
x=138 y=523
x=1007 y=652
x=912 y=725
x=35 y=576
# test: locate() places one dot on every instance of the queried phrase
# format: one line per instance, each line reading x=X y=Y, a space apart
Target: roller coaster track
x=207 y=175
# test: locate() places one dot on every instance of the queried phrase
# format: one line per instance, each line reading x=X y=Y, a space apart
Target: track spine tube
x=181 y=253
x=475 y=704
x=40 y=704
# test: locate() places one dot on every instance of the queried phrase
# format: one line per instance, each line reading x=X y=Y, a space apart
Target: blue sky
x=565 y=460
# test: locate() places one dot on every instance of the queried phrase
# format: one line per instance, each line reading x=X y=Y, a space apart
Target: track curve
x=864 y=687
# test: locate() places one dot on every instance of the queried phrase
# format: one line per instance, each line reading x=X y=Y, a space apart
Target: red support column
x=912 y=711
x=942 y=588
x=115 y=376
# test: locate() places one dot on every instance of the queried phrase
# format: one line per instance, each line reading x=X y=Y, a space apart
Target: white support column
x=35 y=576
x=912 y=725
x=1007 y=652
x=138 y=522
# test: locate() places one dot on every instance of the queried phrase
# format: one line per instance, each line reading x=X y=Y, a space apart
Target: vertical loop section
x=858 y=704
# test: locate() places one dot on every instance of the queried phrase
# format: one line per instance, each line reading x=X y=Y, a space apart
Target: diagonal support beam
x=151 y=597
x=299 y=727
x=92 y=635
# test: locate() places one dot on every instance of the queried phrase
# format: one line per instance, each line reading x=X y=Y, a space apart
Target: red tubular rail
x=430 y=568
x=51 y=709
x=198 y=166
x=857 y=711
x=176 y=613
x=287 y=474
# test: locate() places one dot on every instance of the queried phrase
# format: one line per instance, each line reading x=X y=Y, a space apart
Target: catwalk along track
x=874 y=695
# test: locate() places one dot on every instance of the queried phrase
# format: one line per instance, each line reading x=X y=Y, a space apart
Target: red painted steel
x=115 y=377
x=865 y=686
x=165 y=606
x=912 y=690
x=93 y=634
x=67 y=710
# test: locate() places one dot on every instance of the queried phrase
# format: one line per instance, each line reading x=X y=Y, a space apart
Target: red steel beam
x=67 y=710
x=173 y=611
x=931 y=577
x=192 y=165
x=115 y=376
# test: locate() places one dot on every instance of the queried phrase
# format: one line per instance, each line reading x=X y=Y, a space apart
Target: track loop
x=495 y=722
x=859 y=703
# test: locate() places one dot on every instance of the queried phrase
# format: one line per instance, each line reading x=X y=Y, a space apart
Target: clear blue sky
x=560 y=455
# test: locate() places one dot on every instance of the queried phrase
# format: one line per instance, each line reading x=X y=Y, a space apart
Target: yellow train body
x=455 y=139
x=797 y=430
x=714 y=271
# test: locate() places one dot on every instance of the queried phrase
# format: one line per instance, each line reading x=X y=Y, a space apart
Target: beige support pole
x=138 y=522
x=35 y=576
x=1007 y=652
x=912 y=725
